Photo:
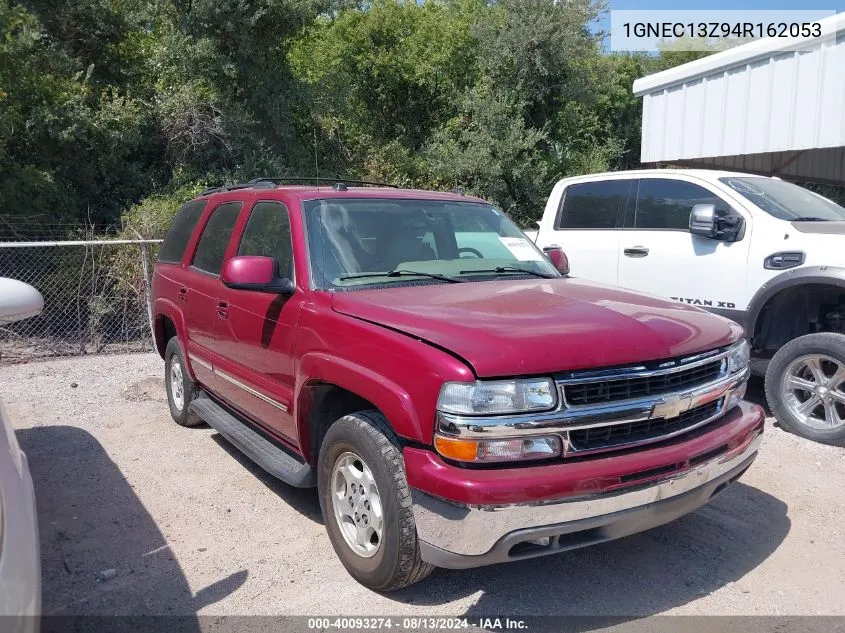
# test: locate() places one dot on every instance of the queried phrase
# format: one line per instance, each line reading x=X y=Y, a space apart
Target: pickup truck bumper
x=468 y=518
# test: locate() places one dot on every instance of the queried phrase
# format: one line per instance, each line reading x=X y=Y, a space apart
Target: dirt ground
x=188 y=525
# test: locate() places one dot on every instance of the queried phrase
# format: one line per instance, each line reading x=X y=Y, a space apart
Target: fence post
x=148 y=290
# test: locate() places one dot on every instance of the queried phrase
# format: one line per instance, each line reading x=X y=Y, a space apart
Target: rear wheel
x=181 y=390
x=805 y=387
x=366 y=503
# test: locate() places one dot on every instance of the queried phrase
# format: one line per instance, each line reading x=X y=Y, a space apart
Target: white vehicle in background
x=20 y=554
x=765 y=253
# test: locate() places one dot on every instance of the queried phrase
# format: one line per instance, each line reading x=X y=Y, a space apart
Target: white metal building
x=773 y=106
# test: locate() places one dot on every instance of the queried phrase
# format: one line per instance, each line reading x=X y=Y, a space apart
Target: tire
x=179 y=407
x=365 y=442
x=805 y=387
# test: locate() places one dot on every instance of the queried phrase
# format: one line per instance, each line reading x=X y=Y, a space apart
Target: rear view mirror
x=259 y=274
x=18 y=301
x=558 y=258
x=703 y=221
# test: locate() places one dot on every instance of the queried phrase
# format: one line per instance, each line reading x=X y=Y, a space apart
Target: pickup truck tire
x=365 y=443
x=178 y=398
x=805 y=387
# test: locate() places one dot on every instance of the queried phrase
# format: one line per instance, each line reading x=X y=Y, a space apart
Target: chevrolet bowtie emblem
x=672 y=406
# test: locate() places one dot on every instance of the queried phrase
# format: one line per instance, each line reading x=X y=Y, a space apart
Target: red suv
x=454 y=396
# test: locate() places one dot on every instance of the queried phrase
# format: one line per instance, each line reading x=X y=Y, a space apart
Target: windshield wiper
x=810 y=218
x=508 y=269
x=402 y=273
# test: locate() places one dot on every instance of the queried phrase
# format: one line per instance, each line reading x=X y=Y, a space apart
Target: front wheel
x=366 y=503
x=805 y=387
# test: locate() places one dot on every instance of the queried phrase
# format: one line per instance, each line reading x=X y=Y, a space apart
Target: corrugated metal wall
x=770 y=114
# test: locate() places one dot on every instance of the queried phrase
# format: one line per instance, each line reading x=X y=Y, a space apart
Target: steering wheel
x=472 y=251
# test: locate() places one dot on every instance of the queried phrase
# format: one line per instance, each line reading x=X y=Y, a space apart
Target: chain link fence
x=96 y=298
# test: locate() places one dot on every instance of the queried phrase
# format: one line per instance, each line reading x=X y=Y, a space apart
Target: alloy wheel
x=357 y=504
x=812 y=387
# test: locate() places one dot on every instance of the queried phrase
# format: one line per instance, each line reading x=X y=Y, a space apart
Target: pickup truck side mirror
x=558 y=258
x=259 y=274
x=704 y=220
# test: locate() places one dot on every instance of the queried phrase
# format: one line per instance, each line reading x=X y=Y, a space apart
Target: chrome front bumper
x=459 y=536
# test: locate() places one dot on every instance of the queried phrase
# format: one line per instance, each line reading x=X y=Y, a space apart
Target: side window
x=180 y=231
x=215 y=237
x=267 y=234
x=593 y=205
x=666 y=204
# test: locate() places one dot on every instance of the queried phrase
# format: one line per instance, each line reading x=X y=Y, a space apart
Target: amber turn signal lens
x=456 y=448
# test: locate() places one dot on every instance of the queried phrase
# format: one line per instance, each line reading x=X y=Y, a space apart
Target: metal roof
x=775 y=106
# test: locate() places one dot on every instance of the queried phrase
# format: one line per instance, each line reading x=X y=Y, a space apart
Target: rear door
x=255 y=340
x=588 y=226
x=203 y=287
x=659 y=255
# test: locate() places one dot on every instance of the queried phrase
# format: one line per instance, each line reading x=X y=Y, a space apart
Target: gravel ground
x=188 y=525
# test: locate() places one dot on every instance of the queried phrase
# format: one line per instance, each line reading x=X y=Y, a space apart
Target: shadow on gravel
x=303 y=500
x=627 y=579
x=91 y=521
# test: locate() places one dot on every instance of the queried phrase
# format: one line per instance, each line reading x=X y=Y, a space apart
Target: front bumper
x=460 y=534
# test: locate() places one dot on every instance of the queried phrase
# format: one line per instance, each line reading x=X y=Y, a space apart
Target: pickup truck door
x=256 y=331
x=659 y=255
x=585 y=219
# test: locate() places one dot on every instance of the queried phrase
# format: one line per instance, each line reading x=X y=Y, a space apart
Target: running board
x=270 y=457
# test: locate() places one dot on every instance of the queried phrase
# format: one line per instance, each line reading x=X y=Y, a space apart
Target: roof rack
x=338 y=180
x=268 y=183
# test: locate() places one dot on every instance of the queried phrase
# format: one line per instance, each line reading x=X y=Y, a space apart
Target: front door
x=255 y=341
x=659 y=255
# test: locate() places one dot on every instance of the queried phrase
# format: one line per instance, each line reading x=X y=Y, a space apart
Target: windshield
x=784 y=200
x=365 y=241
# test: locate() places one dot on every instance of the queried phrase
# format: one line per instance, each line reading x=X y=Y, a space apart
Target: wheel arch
x=329 y=387
x=797 y=297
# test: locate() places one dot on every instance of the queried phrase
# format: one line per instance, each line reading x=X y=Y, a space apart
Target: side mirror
x=259 y=274
x=558 y=258
x=18 y=301
x=703 y=221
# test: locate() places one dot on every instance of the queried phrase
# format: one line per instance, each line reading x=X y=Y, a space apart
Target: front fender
x=389 y=397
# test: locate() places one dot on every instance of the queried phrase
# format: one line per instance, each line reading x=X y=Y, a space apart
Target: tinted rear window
x=215 y=237
x=593 y=205
x=180 y=231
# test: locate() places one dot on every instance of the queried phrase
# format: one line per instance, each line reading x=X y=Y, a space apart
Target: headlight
x=497 y=396
x=505 y=450
x=738 y=357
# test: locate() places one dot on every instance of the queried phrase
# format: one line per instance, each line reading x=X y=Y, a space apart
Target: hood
x=510 y=328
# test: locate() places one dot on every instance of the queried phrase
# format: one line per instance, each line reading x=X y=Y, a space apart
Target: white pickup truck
x=763 y=252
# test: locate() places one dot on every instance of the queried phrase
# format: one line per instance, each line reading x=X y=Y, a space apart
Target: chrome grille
x=615 y=389
x=605 y=437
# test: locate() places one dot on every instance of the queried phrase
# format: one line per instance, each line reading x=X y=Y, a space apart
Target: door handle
x=183 y=294
x=636 y=251
x=223 y=309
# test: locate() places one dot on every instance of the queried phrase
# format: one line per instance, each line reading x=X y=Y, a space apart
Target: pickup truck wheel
x=805 y=387
x=180 y=388
x=366 y=503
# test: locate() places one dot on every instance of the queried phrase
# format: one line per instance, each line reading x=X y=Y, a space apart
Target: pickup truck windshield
x=355 y=242
x=786 y=201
